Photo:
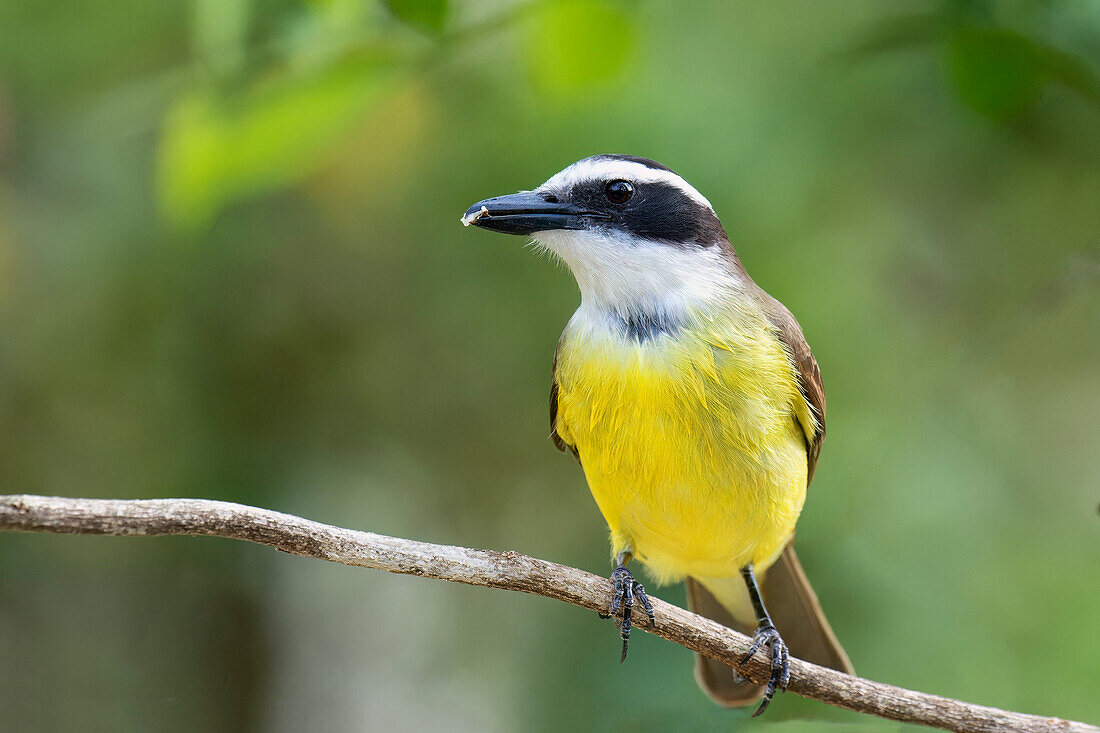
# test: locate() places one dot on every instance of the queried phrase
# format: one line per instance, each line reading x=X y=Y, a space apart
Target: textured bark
x=506 y=570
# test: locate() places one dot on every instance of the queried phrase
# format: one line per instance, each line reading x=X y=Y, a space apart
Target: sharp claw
x=780 y=663
x=764 y=703
x=625 y=590
x=758 y=641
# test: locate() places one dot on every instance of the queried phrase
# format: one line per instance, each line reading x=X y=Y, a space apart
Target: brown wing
x=809 y=376
x=794 y=609
x=558 y=442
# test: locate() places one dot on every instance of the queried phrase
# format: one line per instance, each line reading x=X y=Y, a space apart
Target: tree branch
x=506 y=570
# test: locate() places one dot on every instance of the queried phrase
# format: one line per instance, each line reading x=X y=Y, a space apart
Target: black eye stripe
x=658 y=211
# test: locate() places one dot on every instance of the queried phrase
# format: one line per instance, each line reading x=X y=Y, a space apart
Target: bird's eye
x=619 y=192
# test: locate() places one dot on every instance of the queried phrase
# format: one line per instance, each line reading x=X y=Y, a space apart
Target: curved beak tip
x=474 y=214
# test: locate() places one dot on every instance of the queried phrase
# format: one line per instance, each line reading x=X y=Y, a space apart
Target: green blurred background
x=231 y=267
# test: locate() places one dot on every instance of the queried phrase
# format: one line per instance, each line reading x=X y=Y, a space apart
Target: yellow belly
x=690 y=443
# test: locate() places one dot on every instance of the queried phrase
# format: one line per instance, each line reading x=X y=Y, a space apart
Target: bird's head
x=633 y=232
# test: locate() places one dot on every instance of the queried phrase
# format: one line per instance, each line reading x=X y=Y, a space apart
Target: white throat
x=626 y=276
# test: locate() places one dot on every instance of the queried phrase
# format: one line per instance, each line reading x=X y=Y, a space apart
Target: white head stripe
x=597 y=169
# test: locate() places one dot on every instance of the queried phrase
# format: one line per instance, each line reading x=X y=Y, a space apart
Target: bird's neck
x=655 y=288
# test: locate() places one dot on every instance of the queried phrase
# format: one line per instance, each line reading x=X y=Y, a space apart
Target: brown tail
x=797 y=614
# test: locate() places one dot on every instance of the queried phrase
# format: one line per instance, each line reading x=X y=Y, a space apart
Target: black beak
x=526 y=213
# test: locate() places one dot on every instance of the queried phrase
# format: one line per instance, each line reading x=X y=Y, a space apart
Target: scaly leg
x=626 y=591
x=766 y=636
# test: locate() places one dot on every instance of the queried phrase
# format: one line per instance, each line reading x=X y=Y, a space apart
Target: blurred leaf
x=214 y=151
x=899 y=34
x=327 y=31
x=1071 y=72
x=575 y=45
x=997 y=72
x=429 y=15
x=219 y=32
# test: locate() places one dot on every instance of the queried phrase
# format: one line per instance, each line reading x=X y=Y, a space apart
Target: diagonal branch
x=506 y=570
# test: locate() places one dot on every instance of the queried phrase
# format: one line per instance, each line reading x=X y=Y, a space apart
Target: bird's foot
x=625 y=593
x=767 y=636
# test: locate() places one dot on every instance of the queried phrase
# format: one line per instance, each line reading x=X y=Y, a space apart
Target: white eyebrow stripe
x=598 y=169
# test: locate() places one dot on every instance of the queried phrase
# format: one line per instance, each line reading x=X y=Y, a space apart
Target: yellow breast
x=690 y=440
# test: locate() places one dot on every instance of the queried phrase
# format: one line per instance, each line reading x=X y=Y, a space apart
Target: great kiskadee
x=692 y=402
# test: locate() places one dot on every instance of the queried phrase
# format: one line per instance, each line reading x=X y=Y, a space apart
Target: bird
x=692 y=402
